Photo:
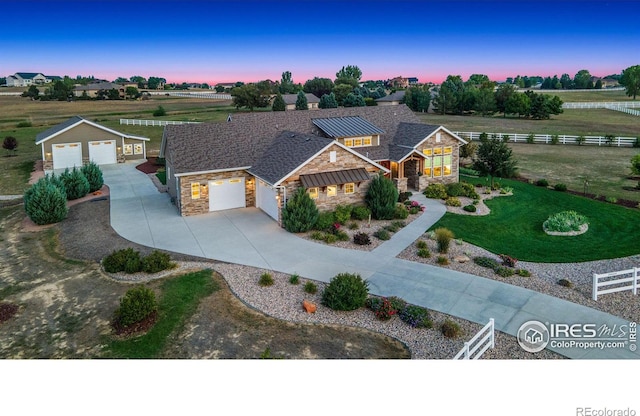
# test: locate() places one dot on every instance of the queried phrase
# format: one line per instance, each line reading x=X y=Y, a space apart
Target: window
x=437 y=150
x=357 y=142
x=137 y=149
x=332 y=190
x=349 y=188
x=195 y=190
x=427 y=152
x=348 y=142
x=437 y=166
x=313 y=193
x=438 y=137
x=427 y=167
x=448 y=150
x=446 y=162
x=366 y=141
x=128 y=149
x=332 y=156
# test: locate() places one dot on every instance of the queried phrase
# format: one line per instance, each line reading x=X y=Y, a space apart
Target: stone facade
x=188 y=206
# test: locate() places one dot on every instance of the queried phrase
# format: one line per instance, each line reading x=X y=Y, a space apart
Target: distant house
x=391 y=99
x=26 y=79
x=412 y=81
x=398 y=82
x=92 y=90
x=77 y=141
x=290 y=101
x=260 y=159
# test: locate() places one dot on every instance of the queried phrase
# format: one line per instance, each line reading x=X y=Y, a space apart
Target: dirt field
x=65 y=305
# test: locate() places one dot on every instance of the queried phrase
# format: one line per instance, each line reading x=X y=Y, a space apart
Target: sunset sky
x=228 y=41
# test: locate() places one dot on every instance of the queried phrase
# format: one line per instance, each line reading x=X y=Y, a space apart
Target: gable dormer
x=351 y=131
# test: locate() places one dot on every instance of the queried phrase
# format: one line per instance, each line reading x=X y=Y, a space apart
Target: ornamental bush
x=443 y=238
x=383 y=308
x=452 y=201
x=92 y=172
x=300 y=214
x=470 y=208
x=381 y=198
x=125 y=260
x=382 y=235
x=45 y=203
x=436 y=191
x=324 y=221
x=560 y=187
x=345 y=292
x=565 y=221
x=451 y=329
x=361 y=239
x=542 y=182
x=360 y=213
x=416 y=316
x=135 y=306
x=75 y=183
x=342 y=213
x=265 y=279
x=400 y=212
x=156 y=262
x=487 y=262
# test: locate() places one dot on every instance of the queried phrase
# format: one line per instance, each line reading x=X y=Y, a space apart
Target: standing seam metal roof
x=346 y=126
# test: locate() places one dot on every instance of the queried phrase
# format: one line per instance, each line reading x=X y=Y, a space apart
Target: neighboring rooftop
x=346 y=126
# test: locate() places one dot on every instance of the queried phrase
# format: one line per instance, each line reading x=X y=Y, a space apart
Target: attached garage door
x=266 y=199
x=226 y=194
x=102 y=152
x=67 y=155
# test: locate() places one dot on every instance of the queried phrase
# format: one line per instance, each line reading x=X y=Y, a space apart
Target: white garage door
x=102 y=152
x=67 y=155
x=266 y=199
x=226 y=194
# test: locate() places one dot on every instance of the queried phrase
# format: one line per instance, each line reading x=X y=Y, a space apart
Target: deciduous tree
x=630 y=80
x=318 y=86
x=10 y=143
x=494 y=158
x=250 y=96
x=418 y=98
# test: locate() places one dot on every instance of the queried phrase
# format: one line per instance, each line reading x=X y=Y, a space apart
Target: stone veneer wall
x=445 y=140
x=190 y=206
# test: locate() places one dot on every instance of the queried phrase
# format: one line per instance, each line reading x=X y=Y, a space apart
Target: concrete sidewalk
x=248 y=236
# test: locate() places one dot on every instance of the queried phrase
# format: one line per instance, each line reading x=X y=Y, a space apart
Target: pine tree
x=301 y=102
x=328 y=101
x=381 y=198
x=92 y=172
x=300 y=214
x=278 y=103
x=45 y=203
x=75 y=183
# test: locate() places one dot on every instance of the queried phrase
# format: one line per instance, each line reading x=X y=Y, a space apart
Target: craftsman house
x=259 y=159
x=77 y=141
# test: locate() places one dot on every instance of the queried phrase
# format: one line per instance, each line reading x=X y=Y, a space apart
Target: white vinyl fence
x=212 y=95
x=601 y=104
x=549 y=138
x=481 y=342
x=619 y=283
x=624 y=110
x=138 y=122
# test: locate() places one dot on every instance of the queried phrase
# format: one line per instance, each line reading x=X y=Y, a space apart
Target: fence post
x=635 y=280
x=595 y=287
x=493 y=333
x=466 y=350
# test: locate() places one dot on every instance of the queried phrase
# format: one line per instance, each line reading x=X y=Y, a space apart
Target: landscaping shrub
x=383 y=309
x=506 y=190
x=341 y=235
x=523 y=272
x=391 y=228
x=399 y=224
x=345 y=292
x=397 y=303
x=416 y=316
x=133 y=264
x=542 y=182
x=156 y=262
x=436 y=191
x=485 y=262
x=452 y=201
x=265 y=279
x=159 y=112
x=330 y=238
x=469 y=208
x=504 y=271
x=45 y=203
x=421 y=244
x=24 y=124
x=508 y=260
x=360 y=213
x=324 y=221
x=560 y=187
x=404 y=196
x=443 y=237
x=442 y=261
x=310 y=288
x=92 y=172
x=414 y=210
x=531 y=138
x=580 y=140
x=294 y=279
x=381 y=198
x=564 y=221
x=361 y=239
x=300 y=213
x=455 y=189
x=566 y=283
x=555 y=139
x=611 y=199
x=317 y=235
x=76 y=184
x=342 y=213
x=424 y=253
x=382 y=235
x=400 y=212
x=136 y=305
x=353 y=226
x=118 y=260
x=450 y=329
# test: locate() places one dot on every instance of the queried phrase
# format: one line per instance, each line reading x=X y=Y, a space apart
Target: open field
x=586 y=96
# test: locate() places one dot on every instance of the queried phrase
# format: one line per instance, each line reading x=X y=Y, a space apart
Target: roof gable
x=74 y=121
x=28 y=75
x=293 y=98
x=350 y=126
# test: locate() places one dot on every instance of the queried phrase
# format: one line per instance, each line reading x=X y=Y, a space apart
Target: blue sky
x=225 y=41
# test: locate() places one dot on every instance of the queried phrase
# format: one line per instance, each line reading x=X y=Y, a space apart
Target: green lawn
x=514 y=226
x=179 y=300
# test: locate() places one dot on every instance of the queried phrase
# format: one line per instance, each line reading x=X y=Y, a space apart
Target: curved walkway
x=248 y=236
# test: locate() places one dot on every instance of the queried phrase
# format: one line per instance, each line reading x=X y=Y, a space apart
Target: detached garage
x=78 y=141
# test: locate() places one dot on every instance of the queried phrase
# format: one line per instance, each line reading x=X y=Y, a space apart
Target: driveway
x=247 y=236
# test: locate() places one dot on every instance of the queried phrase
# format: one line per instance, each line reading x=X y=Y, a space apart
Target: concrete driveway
x=247 y=236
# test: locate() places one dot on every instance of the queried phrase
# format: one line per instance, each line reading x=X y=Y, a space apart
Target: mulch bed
x=149 y=166
x=7 y=311
x=138 y=328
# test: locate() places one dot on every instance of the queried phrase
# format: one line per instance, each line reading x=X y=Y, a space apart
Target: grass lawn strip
x=514 y=226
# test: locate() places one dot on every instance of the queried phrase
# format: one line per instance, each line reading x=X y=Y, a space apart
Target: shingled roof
x=245 y=140
x=346 y=126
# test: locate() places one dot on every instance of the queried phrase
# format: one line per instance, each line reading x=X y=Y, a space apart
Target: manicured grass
x=179 y=300
x=514 y=226
x=590 y=96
